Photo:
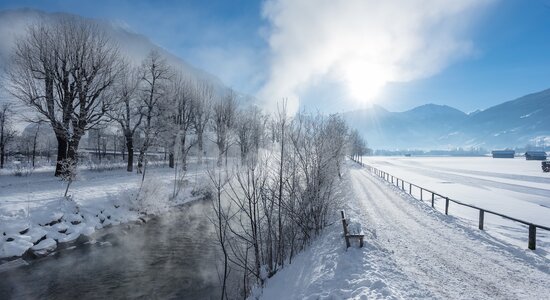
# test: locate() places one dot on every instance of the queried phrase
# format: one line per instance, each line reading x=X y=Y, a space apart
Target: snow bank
x=34 y=219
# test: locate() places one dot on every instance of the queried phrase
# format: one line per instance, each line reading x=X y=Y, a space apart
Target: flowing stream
x=170 y=257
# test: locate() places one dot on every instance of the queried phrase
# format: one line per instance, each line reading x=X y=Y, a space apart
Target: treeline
x=76 y=81
x=280 y=198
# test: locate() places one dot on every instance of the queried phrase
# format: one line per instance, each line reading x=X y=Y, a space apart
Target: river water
x=170 y=257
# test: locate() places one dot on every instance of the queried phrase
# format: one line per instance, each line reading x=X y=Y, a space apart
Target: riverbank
x=35 y=219
x=172 y=256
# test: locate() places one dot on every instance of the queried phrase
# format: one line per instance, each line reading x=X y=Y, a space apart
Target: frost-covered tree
x=7 y=133
x=223 y=119
x=127 y=109
x=63 y=69
x=249 y=131
x=202 y=112
x=280 y=201
x=182 y=101
x=357 y=145
x=155 y=76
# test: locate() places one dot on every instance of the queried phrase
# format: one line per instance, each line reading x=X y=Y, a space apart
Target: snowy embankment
x=35 y=219
x=327 y=270
x=514 y=187
x=411 y=251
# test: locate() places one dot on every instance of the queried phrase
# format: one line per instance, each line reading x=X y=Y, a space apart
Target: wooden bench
x=349 y=236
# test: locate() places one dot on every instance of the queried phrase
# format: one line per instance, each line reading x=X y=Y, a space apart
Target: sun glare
x=364 y=80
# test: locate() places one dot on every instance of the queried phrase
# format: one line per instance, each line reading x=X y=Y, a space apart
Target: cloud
x=361 y=44
x=239 y=66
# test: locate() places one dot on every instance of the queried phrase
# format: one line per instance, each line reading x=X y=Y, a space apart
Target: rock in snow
x=44 y=247
x=14 y=248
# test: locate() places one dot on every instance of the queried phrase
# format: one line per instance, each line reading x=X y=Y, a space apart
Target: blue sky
x=508 y=50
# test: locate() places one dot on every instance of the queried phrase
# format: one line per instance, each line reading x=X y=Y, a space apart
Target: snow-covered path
x=450 y=259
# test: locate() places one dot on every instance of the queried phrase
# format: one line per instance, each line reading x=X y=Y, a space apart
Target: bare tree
x=202 y=111
x=127 y=110
x=223 y=119
x=7 y=133
x=221 y=223
x=155 y=75
x=357 y=146
x=280 y=201
x=62 y=69
x=337 y=132
x=32 y=139
x=183 y=95
x=249 y=128
x=282 y=129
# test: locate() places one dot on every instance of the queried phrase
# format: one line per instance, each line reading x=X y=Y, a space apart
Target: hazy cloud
x=361 y=44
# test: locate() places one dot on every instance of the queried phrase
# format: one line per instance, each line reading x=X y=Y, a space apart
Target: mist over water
x=171 y=257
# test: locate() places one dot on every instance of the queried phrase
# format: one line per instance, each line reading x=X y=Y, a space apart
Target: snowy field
x=514 y=187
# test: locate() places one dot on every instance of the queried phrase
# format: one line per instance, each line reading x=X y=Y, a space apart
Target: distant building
x=503 y=153
x=535 y=155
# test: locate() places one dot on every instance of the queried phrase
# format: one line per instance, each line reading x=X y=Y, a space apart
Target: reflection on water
x=170 y=257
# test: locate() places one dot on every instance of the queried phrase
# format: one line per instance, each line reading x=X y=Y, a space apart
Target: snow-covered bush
x=22 y=170
x=151 y=198
x=203 y=190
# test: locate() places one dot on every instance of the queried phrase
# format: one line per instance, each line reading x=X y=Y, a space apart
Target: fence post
x=433 y=199
x=481 y=217
x=446 y=205
x=421 y=194
x=402 y=185
x=532 y=237
x=410 y=188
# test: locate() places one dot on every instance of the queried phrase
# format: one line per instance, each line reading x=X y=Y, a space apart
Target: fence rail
x=400 y=183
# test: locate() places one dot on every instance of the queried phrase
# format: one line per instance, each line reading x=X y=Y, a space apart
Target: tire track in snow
x=439 y=254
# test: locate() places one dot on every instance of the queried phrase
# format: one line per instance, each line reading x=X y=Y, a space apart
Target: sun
x=364 y=80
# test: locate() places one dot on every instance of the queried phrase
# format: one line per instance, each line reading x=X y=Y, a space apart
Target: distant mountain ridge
x=514 y=123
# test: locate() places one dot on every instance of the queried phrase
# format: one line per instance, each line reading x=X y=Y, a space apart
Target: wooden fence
x=402 y=184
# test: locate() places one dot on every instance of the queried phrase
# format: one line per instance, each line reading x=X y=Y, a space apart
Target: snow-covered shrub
x=203 y=190
x=102 y=166
x=151 y=198
x=22 y=171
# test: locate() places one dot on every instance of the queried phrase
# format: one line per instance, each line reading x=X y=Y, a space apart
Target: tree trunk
x=62 y=146
x=34 y=151
x=130 y=147
x=72 y=151
x=171 y=160
x=140 y=160
x=220 y=157
x=2 y=157
x=184 y=151
x=200 y=146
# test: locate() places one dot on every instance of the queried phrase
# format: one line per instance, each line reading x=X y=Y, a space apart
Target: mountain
x=515 y=123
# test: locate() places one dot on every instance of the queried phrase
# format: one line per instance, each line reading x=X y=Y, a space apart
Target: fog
x=173 y=256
